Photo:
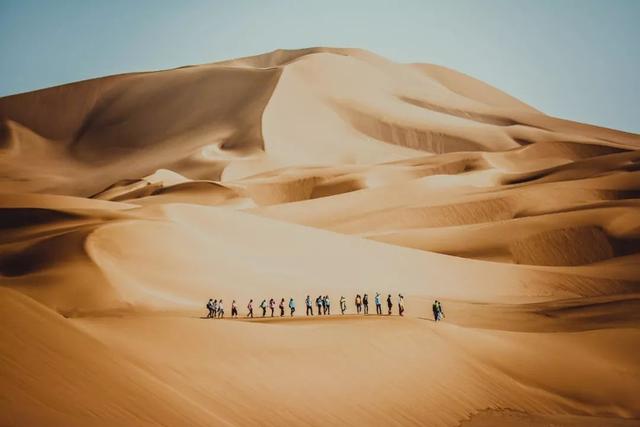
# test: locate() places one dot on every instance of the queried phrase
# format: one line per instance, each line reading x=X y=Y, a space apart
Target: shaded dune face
x=127 y=201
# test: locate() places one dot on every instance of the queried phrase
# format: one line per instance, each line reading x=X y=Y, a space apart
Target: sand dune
x=127 y=201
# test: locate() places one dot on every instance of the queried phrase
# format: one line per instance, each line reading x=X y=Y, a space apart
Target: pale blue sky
x=577 y=59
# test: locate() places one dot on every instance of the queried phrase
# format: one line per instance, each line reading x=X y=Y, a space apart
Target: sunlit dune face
x=127 y=203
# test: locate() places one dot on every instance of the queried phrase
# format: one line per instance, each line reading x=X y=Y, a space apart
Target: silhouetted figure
x=327 y=305
x=365 y=303
x=309 y=305
x=281 y=307
x=250 y=309
x=378 y=304
x=400 y=305
x=319 y=304
x=434 y=307
x=292 y=306
x=215 y=308
x=389 y=304
x=358 y=303
x=343 y=304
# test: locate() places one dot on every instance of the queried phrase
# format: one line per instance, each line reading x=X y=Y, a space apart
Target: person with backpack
x=365 y=303
x=263 y=306
x=309 y=305
x=234 y=309
x=400 y=305
x=378 y=304
x=250 y=309
x=389 y=304
x=292 y=306
x=343 y=304
x=272 y=305
x=319 y=304
x=210 y=308
x=281 y=307
x=220 y=310
x=358 y=303
x=327 y=305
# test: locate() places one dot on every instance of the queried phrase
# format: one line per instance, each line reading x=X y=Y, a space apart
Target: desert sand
x=126 y=202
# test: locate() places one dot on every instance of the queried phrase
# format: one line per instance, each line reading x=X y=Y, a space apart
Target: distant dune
x=127 y=201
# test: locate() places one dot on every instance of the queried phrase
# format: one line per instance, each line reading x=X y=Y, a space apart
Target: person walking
x=292 y=306
x=440 y=312
x=281 y=306
x=365 y=303
x=327 y=304
x=358 y=303
x=389 y=304
x=250 y=309
x=215 y=308
x=263 y=306
x=210 y=308
x=378 y=304
x=319 y=304
x=234 y=309
x=434 y=307
x=272 y=305
x=400 y=305
x=343 y=304
x=309 y=305
x=220 y=310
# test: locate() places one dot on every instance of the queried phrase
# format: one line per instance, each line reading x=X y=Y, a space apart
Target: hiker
x=365 y=303
x=281 y=306
x=440 y=312
x=358 y=304
x=210 y=308
x=378 y=304
x=436 y=313
x=272 y=305
x=234 y=309
x=220 y=310
x=319 y=304
x=327 y=305
x=292 y=306
x=343 y=304
x=215 y=308
x=263 y=306
x=400 y=305
x=323 y=301
x=309 y=305
x=250 y=309
x=389 y=304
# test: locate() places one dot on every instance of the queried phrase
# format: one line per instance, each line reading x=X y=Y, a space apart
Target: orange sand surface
x=126 y=202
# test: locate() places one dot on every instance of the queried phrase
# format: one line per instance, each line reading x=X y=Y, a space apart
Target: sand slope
x=127 y=201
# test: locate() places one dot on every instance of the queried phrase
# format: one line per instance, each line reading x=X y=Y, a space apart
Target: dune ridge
x=127 y=201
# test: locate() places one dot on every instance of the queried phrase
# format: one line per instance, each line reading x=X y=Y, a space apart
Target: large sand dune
x=127 y=201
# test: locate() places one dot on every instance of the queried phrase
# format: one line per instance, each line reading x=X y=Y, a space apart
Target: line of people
x=323 y=303
x=216 y=309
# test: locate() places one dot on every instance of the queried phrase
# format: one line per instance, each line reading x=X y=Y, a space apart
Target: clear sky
x=577 y=59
